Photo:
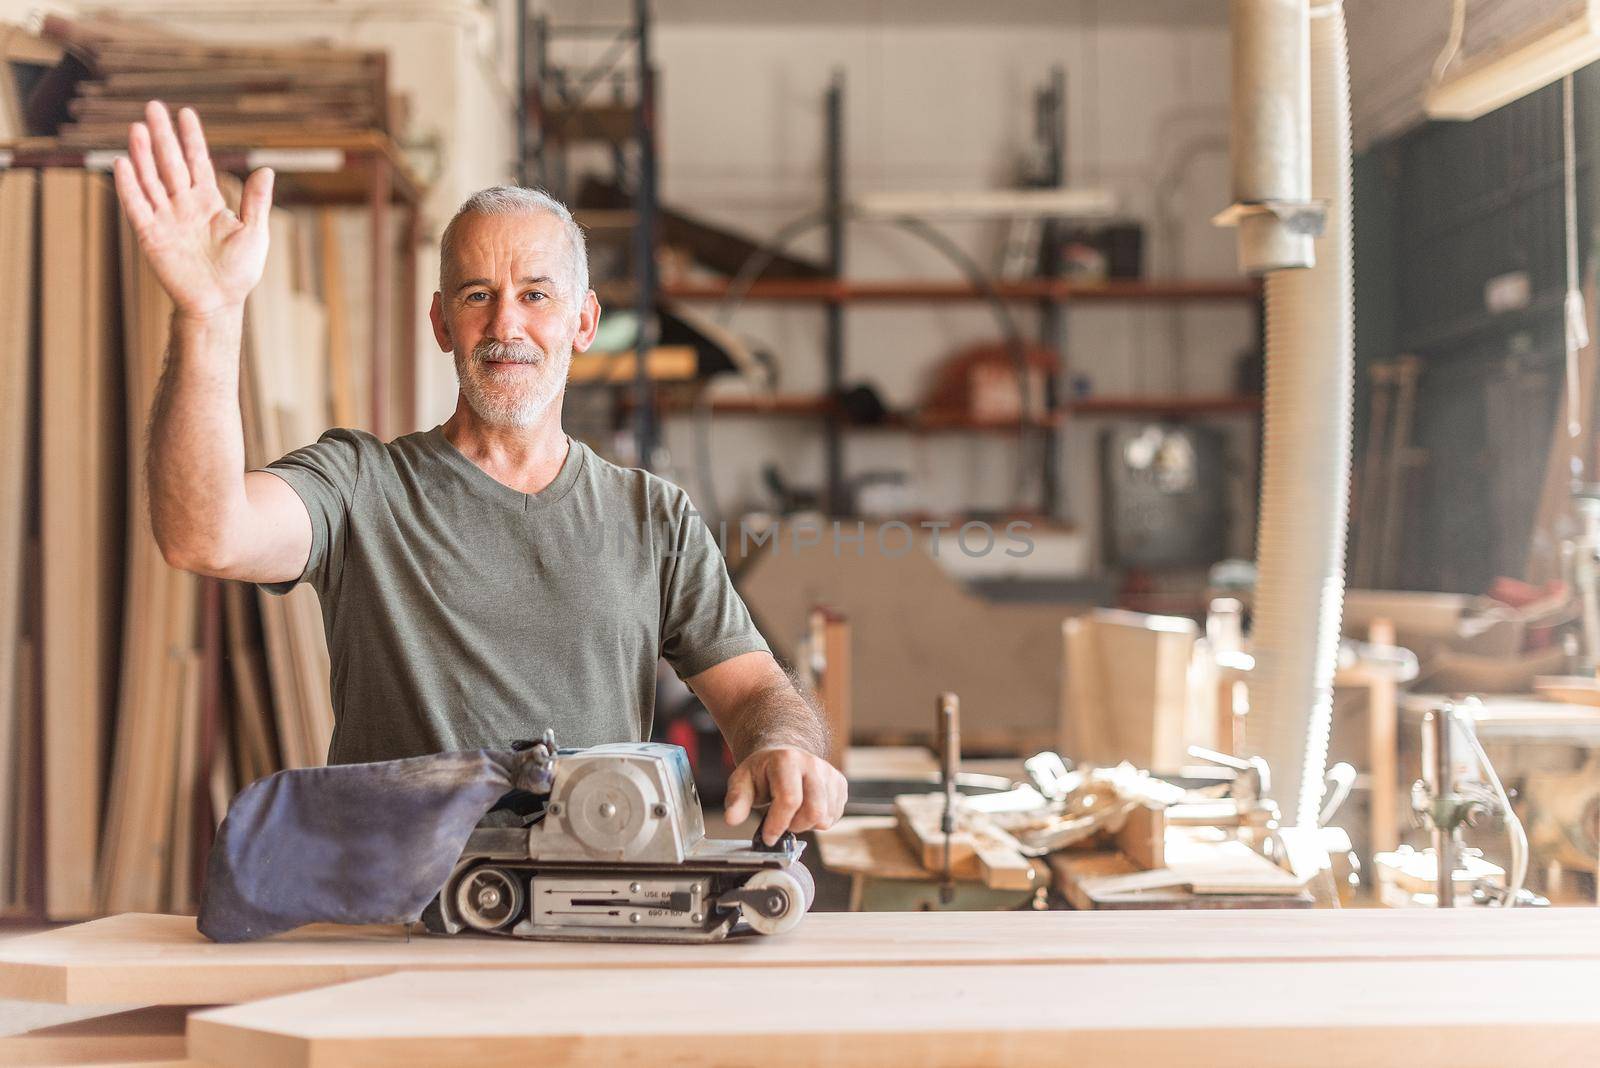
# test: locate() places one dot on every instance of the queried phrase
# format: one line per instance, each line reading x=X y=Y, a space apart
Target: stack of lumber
x=112 y=67
x=1368 y=986
x=135 y=699
x=284 y=392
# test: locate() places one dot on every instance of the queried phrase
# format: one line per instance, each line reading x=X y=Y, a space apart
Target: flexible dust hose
x=1305 y=461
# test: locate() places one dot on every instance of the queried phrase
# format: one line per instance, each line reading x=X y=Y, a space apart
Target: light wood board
x=77 y=502
x=18 y=196
x=1125 y=688
x=160 y=608
x=164 y=960
x=145 y=1034
x=1406 y=1013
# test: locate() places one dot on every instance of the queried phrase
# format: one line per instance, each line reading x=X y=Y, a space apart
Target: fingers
x=256 y=202
x=788 y=794
x=740 y=796
x=195 y=153
x=169 y=155
x=825 y=791
x=134 y=203
x=144 y=166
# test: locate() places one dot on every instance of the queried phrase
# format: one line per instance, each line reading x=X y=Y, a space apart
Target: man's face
x=509 y=316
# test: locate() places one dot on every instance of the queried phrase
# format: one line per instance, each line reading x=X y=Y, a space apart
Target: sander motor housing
x=619 y=853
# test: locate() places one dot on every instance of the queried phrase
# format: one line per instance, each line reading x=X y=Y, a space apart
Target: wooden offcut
x=977 y=847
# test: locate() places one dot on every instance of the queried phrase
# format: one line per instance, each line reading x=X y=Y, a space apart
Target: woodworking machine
x=617 y=852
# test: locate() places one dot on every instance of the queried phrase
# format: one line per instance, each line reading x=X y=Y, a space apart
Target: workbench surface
x=150 y=959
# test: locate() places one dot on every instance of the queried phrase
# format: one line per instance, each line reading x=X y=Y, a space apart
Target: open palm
x=207 y=258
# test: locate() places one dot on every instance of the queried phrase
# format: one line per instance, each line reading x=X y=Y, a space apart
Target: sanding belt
x=352 y=843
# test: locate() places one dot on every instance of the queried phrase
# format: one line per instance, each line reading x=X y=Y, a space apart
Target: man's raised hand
x=207 y=258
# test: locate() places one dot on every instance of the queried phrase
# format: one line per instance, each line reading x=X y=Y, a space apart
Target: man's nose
x=507 y=324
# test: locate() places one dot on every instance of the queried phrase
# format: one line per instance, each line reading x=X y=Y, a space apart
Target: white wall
x=946 y=104
x=938 y=97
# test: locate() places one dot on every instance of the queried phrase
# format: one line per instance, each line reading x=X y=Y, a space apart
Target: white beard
x=516 y=397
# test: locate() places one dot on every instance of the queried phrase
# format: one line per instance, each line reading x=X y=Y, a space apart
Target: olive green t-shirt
x=462 y=614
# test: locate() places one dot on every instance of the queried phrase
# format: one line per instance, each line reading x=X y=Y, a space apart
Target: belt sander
x=618 y=852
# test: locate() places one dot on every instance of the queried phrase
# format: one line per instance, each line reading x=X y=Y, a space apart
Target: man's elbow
x=195 y=556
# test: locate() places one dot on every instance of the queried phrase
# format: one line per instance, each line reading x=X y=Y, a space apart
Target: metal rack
x=1051 y=295
x=552 y=113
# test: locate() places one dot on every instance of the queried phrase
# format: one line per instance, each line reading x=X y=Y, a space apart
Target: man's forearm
x=195 y=454
x=778 y=713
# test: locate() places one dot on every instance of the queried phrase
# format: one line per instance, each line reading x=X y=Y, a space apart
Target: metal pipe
x=833 y=441
x=644 y=428
x=1444 y=831
x=949 y=707
x=1271 y=128
x=1305 y=464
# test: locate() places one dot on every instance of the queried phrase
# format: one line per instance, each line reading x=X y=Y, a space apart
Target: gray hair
x=515 y=200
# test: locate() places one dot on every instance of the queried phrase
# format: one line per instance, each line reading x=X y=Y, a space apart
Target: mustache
x=488 y=351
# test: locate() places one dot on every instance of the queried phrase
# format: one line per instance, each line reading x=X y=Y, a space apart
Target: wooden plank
x=163 y=960
x=665 y=363
x=830 y=636
x=910 y=763
x=868 y=845
x=186 y=772
x=284 y=401
x=147 y=1034
x=1226 y=867
x=1126 y=689
x=18 y=200
x=75 y=502
x=159 y=613
x=1143 y=836
x=1108 y=880
x=1383 y=750
x=1403 y=1014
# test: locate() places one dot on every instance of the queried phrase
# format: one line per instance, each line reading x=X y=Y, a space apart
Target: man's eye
x=534 y=296
x=475 y=296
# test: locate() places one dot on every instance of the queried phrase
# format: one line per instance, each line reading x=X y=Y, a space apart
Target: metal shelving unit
x=554 y=113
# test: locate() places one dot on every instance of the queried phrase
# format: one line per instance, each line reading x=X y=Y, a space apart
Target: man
x=482 y=580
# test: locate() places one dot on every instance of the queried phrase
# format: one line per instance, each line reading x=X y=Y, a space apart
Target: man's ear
x=588 y=322
x=441 y=329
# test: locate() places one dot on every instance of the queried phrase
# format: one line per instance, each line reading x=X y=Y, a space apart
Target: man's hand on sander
x=805 y=792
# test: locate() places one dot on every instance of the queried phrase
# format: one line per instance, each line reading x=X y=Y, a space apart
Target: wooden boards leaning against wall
x=80 y=521
x=159 y=649
x=122 y=740
x=286 y=393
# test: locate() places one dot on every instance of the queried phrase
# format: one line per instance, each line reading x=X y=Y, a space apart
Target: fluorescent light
x=984 y=203
x=1533 y=61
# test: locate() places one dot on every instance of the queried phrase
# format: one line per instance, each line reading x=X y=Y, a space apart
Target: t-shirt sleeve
x=325 y=476
x=704 y=621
